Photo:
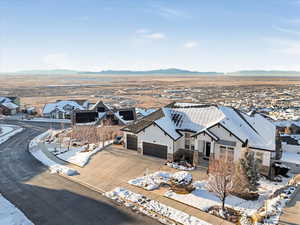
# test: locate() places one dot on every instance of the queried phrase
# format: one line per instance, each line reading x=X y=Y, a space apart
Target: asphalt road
x=49 y=199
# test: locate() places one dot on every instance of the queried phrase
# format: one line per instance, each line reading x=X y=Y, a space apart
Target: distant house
x=101 y=113
x=198 y=132
x=13 y=99
x=9 y=105
x=63 y=109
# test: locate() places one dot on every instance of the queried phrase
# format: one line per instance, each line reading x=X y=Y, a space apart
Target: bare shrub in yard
x=220 y=180
x=93 y=134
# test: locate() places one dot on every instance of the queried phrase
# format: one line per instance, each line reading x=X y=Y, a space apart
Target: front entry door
x=207 y=148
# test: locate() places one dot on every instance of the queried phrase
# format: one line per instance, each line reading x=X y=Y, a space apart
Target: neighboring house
x=9 y=106
x=199 y=132
x=291 y=152
x=101 y=113
x=63 y=109
x=13 y=99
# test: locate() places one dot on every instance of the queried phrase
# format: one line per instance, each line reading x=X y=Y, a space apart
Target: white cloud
x=166 y=12
x=190 y=44
x=155 y=36
x=169 y=12
x=286 y=30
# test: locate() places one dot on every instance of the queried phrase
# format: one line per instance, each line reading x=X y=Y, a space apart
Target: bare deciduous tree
x=93 y=134
x=220 y=180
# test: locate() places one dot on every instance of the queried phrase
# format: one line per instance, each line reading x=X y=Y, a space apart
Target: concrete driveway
x=115 y=166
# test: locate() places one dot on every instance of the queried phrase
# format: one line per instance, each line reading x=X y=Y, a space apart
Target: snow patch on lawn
x=7 y=131
x=182 y=178
x=37 y=152
x=10 y=215
x=155 y=209
x=79 y=156
x=179 y=167
x=202 y=199
x=151 y=181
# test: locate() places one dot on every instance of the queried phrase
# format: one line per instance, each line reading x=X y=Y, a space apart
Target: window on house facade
x=259 y=157
x=226 y=153
x=230 y=154
x=222 y=152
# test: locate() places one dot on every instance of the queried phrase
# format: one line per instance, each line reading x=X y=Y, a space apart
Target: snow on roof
x=50 y=107
x=9 y=105
x=167 y=125
x=117 y=114
x=184 y=104
x=196 y=118
x=291 y=157
x=4 y=99
x=144 y=112
x=259 y=132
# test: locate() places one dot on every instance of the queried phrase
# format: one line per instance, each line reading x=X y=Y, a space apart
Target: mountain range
x=171 y=71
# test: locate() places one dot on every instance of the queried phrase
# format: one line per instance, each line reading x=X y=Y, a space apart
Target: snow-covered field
x=7 y=131
x=155 y=209
x=37 y=152
x=202 y=199
x=10 y=215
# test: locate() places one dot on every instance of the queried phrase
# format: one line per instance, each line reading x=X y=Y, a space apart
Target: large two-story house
x=201 y=131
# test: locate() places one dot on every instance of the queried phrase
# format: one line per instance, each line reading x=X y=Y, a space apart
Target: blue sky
x=203 y=35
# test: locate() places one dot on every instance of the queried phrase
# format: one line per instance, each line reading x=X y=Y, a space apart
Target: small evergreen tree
x=241 y=183
x=250 y=166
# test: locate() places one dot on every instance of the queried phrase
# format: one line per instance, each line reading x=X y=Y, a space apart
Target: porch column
x=195 y=158
x=213 y=149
